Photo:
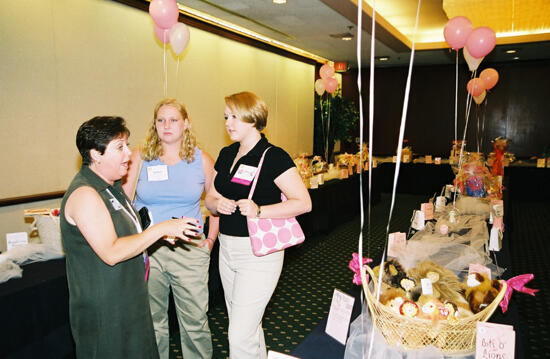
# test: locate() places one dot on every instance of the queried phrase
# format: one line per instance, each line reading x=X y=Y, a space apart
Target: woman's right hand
x=180 y=228
x=226 y=206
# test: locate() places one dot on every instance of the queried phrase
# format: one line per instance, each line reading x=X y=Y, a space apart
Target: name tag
x=244 y=175
x=157 y=173
x=116 y=204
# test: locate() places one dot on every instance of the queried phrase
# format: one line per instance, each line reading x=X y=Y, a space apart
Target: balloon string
x=483 y=122
x=359 y=89
x=467 y=114
x=456 y=94
x=164 y=66
x=371 y=120
x=177 y=75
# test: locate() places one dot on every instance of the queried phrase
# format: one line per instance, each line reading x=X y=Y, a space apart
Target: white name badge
x=339 y=316
x=244 y=175
x=116 y=204
x=157 y=173
x=16 y=239
x=276 y=355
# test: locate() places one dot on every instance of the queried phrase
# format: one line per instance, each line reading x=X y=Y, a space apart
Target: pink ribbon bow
x=517 y=283
x=354 y=266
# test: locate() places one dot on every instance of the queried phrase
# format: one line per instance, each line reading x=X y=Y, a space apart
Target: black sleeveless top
x=108 y=305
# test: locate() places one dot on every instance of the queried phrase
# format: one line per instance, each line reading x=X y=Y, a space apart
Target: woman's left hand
x=247 y=207
x=207 y=242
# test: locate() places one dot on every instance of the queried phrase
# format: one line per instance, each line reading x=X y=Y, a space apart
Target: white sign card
x=495 y=239
x=440 y=203
x=428 y=210
x=276 y=355
x=495 y=340
x=16 y=239
x=339 y=315
x=397 y=244
x=418 y=220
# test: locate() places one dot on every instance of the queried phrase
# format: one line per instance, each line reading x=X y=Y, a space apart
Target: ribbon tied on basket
x=517 y=283
x=356 y=268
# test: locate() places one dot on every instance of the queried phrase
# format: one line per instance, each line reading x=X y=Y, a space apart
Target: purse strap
x=134 y=187
x=257 y=174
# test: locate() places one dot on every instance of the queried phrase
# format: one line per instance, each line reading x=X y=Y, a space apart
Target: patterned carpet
x=313 y=270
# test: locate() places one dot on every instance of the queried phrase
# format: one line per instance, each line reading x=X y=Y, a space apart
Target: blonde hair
x=152 y=148
x=249 y=108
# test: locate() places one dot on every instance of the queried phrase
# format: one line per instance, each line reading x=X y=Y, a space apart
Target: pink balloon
x=489 y=77
x=179 y=37
x=326 y=71
x=331 y=84
x=456 y=31
x=475 y=87
x=481 y=41
x=162 y=34
x=164 y=12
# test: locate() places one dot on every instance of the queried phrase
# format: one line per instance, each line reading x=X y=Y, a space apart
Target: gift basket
x=452 y=337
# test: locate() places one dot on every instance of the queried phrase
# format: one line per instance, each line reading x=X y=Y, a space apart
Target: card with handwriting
x=339 y=316
x=428 y=210
x=16 y=239
x=397 y=243
x=495 y=341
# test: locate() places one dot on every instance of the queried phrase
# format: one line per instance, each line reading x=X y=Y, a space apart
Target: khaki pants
x=248 y=283
x=186 y=271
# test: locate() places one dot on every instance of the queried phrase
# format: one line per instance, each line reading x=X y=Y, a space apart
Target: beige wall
x=65 y=61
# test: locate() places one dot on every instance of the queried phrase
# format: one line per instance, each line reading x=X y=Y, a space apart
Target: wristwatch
x=259 y=211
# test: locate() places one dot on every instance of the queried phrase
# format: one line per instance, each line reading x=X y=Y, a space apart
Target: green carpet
x=311 y=273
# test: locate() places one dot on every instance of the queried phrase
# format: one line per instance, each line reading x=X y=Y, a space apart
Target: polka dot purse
x=268 y=235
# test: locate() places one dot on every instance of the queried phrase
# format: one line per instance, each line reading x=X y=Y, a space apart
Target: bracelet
x=259 y=211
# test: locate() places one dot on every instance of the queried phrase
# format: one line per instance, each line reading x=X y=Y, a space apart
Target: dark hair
x=95 y=134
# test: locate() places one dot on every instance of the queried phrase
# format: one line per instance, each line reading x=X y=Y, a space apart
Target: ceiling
x=314 y=28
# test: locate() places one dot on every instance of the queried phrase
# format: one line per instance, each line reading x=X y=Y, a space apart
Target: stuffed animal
x=480 y=291
x=393 y=273
x=393 y=298
x=445 y=284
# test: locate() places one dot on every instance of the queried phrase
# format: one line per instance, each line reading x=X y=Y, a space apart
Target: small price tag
x=339 y=316
x=479 y=268
x=495 y=240
x=495 y=340
x=437 y=160
x=429 y=159
x=427 y=288
x=16 y=239
x=428 y=210
x=418 y=222
x=397 y=243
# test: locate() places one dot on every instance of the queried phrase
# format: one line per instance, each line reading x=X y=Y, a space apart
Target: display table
x=414 y=178
x=35 y=308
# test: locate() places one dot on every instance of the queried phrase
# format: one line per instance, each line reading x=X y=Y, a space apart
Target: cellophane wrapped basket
x=452 y=338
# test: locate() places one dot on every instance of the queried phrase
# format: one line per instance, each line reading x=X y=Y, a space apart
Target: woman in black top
x=249 y=281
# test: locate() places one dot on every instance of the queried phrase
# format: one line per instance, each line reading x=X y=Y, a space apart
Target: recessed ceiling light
x=348 y=37
x=383 y=58
x=279 y=2
x=516 y=58
x=511 y=51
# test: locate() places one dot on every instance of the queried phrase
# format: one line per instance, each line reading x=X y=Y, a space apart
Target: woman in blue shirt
x=172 y=173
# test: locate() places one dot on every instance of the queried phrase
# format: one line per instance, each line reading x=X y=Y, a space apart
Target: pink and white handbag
x=268 y=235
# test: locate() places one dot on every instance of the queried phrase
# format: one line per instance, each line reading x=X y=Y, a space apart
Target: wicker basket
x=457 y=338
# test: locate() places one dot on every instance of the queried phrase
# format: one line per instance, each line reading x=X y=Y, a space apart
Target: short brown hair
x=249 y=108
